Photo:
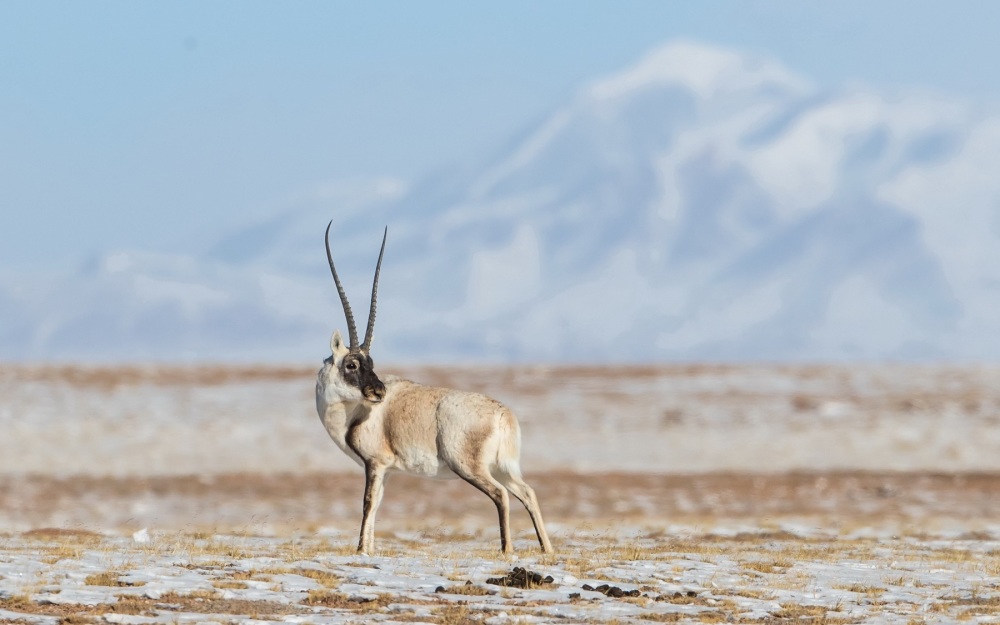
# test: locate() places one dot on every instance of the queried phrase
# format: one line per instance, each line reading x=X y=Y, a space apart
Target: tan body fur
x=427 y=431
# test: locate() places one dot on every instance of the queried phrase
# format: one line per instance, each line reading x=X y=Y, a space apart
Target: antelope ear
x=337 y=347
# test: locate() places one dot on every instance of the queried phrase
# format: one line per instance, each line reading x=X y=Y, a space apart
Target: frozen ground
x=210 y=420
x=671 y=574
x=679 y=494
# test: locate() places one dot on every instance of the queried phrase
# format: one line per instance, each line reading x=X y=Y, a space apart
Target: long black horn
x=353 y=331
x=371 y=314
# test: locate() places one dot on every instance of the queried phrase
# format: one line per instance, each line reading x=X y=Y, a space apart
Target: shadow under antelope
x=391 y=424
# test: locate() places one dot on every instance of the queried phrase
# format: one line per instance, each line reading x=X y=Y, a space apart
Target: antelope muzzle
x=373 y=390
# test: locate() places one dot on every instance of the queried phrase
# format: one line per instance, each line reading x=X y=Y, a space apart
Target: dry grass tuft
x=109 y=578
x=803 y=613
x=229 y=584
x=668 y=617
x=455 y=615
x=17 y=603
x=202 y=602
x=339 y=600
x=778 y=565
x=128 y=604
x=468 y=588
x=324 y=578
x=862 y=589
x=63 y=534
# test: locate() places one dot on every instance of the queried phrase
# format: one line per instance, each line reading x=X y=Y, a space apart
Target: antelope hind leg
x=495 y=491
x=526 y=495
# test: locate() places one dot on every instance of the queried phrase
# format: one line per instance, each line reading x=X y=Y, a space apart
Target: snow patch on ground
x=735 y=574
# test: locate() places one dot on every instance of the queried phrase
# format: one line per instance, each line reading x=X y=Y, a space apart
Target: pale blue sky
x=156 y=126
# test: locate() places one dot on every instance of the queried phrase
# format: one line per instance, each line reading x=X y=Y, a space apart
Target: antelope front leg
x=374 y=485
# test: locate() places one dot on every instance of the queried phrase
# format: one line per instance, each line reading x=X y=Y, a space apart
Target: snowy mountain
x=700 y=204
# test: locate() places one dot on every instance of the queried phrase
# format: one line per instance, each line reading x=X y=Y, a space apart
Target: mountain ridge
x=700 y=204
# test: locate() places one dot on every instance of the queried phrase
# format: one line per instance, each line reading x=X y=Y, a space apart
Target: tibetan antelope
x=391 y=424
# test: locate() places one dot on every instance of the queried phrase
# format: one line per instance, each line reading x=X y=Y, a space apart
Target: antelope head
x=350 y=368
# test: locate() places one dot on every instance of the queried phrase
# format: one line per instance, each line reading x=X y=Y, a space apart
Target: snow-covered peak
x=702 y=203
x=622 y=121
x=705 y=70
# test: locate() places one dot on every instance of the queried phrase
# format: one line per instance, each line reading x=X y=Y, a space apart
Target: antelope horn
x=353 y=331
x=371 y=314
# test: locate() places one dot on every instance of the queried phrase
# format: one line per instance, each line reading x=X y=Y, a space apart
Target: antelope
x=392 y=425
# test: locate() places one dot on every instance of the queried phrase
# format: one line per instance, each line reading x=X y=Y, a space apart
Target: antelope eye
x=351 y=366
